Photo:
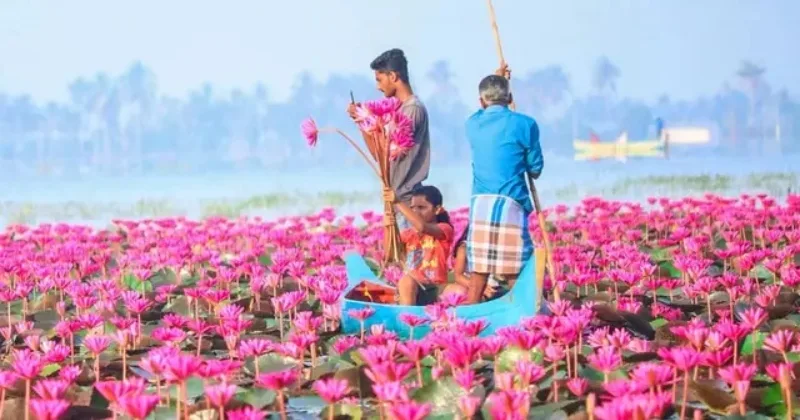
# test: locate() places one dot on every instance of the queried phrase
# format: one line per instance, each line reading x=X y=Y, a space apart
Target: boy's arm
x=413 y=218
x=418 y=224
x=534 y=158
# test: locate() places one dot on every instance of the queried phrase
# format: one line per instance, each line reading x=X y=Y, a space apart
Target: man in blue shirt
x=505 y=149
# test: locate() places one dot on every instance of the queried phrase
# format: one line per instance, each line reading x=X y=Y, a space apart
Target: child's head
x=426 y=201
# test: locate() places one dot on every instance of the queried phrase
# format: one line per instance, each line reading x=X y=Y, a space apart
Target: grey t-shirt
x=412 y=169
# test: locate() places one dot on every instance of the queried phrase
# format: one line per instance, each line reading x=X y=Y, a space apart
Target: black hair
x=393 y=60
x=433 y=196
x=461 y=239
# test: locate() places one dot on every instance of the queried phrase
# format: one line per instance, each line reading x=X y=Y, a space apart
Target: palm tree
x=137 y=99
x=752 y=75
x=604 y=78
x=541 y=89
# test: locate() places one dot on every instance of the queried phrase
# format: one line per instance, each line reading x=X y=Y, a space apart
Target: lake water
x=564 y=181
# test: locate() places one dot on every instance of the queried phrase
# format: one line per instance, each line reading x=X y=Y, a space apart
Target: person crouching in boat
x=505 y=148
x=427 y=243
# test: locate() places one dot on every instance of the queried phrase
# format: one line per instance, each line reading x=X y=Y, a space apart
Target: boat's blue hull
x=520 y=302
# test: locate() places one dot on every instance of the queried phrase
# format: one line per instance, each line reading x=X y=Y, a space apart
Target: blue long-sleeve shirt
x=505 y=147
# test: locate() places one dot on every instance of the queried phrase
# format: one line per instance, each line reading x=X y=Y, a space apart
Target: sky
x=683 y=48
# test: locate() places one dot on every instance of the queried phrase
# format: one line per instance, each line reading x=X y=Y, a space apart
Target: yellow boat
x=620 y=149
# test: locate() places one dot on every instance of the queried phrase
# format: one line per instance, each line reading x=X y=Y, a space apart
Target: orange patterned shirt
x=426 y=258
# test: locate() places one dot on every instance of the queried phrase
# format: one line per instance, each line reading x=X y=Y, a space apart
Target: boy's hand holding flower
x=389 y=196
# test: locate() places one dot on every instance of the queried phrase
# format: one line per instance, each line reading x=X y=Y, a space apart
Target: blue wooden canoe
x=520 y=302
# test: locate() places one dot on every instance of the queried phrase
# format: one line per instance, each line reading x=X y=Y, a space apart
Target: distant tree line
x=124 y=125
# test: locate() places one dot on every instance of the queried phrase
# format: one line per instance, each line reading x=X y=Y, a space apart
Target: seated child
x=427 y=243
x=494 y=287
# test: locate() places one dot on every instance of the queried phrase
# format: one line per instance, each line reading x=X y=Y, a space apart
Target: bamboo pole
x=537 y=205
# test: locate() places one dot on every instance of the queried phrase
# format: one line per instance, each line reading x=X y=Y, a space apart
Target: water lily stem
x=684 y=403
x=357 y=147
x=27 y=398
x=281 y=405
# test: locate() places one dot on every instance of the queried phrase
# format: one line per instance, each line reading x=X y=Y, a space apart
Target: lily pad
x=194 y=389
x=351 y=411
x=668 y=269
x=329 y=366
x=547 y=411
x=132 y=282
x=756 y=338
x=50 y=369
x=760 y=272
x=442 y=395
x=712 y=395
x=258 y=397
x=509 y=357
x=658 y=322
x=271 y=362
x=265 y=260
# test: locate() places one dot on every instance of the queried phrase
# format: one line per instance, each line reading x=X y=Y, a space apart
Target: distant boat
x=621 y=149
x=686 y=135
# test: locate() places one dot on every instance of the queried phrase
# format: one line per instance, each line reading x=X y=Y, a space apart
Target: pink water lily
x=655 y=298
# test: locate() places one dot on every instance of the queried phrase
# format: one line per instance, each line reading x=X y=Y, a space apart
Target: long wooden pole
x=537 y=205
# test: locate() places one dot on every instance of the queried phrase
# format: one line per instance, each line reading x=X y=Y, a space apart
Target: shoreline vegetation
x=776 y=184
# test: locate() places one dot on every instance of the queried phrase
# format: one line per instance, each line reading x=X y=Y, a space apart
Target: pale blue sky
x=681 y=47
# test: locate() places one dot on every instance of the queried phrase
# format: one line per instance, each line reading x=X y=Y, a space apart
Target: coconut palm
x=605 y=75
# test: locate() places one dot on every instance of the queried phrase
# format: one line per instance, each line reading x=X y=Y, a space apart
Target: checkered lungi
x=498 y=241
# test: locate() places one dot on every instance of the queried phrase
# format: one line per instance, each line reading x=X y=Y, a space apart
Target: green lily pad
x=265 y=260
x=748 y=348
x=546 y=411
x=179 y=305
x=442 y=395
x=597 y=376
x=658 y=255
x=330 y=365
x=194 y=389
x=351 y=411
x=50 y=369
x=509 y=357
x=761 y=272
x=164 y=276
x=162 y=413
x=748 y=416
x=271 y=362
x=772 y=396
x=132 y=282
x=258 y=397
x=658 y=323
x=668 y=268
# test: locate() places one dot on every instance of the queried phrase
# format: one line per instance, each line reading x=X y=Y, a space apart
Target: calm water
x=187 y=194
